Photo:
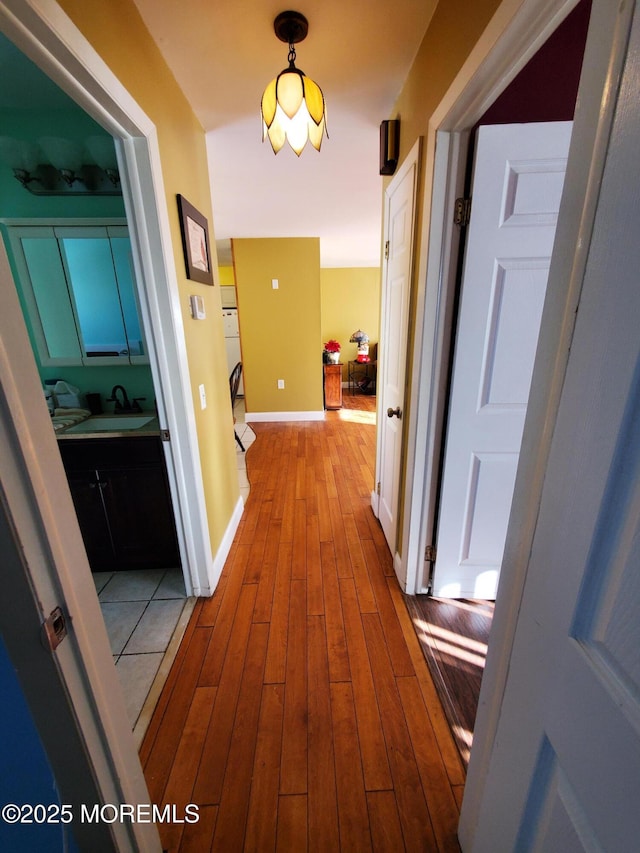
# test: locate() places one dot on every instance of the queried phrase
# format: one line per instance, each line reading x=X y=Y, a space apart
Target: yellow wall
x=115 y=30
x=280 y=329
x=451 y=35
x=227 y=276
x=350 y=300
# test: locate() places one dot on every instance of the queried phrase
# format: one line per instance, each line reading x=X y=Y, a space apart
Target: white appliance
x=232 y=341
x=228 y=296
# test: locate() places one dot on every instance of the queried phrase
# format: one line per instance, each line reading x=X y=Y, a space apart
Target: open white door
x=564 y=774
x=518 y=178
x=399 y=248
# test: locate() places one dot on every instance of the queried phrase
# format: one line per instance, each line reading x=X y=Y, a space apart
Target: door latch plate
x=54 y=629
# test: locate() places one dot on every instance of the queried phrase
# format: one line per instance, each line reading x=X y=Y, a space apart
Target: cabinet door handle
x=397 y=412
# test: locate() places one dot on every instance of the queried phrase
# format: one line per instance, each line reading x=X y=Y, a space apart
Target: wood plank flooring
x=454 y=636
x=300 y=713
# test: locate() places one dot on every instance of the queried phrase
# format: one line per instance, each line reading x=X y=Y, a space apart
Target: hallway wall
x=116 y=31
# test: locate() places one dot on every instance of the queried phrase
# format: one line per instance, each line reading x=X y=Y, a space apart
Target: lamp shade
x=64 y=154
x=19 y=153
x=103 y=151
x=293 y=110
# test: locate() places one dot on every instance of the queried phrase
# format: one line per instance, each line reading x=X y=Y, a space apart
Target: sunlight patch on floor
x=447 y=642
x=465 y=741
x=479 y=607
x=356 y=416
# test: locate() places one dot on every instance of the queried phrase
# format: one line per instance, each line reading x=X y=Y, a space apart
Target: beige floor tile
x=121 y=618
x=156 y=626
x=132 y=585
x=136 y=673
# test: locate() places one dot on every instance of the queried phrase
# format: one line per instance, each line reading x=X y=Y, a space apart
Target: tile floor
x=146 y=613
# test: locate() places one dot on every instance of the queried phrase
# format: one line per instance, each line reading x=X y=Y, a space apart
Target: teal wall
x=18 y=203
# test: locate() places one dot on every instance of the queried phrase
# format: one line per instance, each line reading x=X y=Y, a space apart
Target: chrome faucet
x=124 y=407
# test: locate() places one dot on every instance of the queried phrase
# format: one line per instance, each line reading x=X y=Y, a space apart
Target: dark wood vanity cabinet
x=121 y=496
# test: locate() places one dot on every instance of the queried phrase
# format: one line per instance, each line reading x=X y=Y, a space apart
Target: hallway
x=299 y=712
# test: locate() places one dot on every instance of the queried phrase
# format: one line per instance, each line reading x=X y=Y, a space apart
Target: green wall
x=16 y=202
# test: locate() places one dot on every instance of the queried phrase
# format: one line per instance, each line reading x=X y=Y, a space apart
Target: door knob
x=397 y=412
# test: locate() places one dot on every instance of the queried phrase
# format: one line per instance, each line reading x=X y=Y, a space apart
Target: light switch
x=197 y=307
x=280 y=384
x=275 y=284
x=203 y=397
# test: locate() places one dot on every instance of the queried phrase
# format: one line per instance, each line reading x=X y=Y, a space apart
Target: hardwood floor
x=300 y=713
x=454 y=636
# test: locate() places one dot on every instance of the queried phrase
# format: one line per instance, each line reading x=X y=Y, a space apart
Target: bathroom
x=143 y=607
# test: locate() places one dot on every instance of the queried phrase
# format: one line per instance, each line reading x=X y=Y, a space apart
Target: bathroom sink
x=112 y=424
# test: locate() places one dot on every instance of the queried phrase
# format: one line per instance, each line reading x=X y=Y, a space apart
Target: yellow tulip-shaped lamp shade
x=293 y=108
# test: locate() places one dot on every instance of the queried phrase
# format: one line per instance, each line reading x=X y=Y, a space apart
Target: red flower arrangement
x=332 y=346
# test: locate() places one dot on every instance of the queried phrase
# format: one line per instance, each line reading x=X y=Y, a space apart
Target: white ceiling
x=224 y=52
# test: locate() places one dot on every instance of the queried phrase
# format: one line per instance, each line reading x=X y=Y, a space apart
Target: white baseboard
x=266 y=417
x=215 y=570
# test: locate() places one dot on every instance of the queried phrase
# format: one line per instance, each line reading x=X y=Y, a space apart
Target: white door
x=392 y=352
x=564 y=774
x=517 y=185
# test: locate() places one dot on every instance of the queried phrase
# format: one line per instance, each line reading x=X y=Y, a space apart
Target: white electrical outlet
x=275 y=283
x=280 y=384
x=203 y=397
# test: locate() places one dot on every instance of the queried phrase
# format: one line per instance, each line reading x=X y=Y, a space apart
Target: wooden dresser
x=332 y=386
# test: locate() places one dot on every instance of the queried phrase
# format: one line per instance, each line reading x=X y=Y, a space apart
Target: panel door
x=399 y=226
x=517 y=185
x=565 y=769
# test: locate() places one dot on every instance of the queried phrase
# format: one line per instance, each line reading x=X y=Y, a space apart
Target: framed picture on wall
x=195 y=242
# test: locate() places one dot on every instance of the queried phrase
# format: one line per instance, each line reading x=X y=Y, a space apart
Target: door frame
x=515 y=33
x=48 y=37
x=512 y=37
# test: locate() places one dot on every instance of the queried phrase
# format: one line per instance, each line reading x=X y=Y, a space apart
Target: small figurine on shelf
x=362 y=339
x=331 y=354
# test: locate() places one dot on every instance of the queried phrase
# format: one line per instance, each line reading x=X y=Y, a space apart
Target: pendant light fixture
x=293 y=108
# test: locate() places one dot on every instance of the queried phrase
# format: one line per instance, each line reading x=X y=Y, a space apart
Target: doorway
x=142 y=608
x=517 y=186
x=448 y=158
x=451 y=153
x=96 y=93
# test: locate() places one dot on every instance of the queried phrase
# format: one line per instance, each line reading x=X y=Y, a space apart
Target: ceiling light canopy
x=293 y=108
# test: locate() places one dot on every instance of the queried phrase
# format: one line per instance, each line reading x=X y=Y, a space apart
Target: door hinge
x=386 y=251
x=378 y=488
x=462 y=212
x=165 y=435
x=430 y=554
x=430 y=557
